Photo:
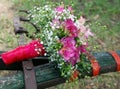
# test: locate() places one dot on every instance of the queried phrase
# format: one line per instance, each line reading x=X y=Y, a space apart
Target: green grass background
x=103 y=16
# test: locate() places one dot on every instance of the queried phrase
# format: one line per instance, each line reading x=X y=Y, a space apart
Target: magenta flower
x=68 y=42
x=59 y=9
x=70 y=54
x=69 y=51
x=76 y=58
x=69 y=25
x=73 y=31
x=82 y=49
x=70 y=8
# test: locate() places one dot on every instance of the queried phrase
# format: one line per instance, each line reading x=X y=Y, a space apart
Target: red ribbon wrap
x=31 y=50
x=117 y=59
x=94 y=63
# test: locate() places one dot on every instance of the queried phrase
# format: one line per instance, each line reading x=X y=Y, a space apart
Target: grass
x=7 y=37
x=106 y=81
x=103 y=16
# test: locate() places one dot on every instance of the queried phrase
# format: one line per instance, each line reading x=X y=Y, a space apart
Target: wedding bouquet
x=64 y=36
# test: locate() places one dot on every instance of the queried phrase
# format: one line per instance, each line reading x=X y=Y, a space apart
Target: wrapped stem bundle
x=33 y=49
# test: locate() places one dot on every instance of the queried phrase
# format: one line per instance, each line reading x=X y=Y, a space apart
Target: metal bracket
x=17 y=26
x=29 y=74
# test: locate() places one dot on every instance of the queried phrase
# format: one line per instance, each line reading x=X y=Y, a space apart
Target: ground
x=7 y=37
x=6 y=10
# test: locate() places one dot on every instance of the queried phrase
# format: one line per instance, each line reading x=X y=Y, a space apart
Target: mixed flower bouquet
x=64 y=36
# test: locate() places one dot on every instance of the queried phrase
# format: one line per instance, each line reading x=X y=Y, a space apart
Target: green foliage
x=84 y=66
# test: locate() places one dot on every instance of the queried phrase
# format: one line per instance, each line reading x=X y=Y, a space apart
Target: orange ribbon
x=117 y=59
x=95 y=65
x=74 y=75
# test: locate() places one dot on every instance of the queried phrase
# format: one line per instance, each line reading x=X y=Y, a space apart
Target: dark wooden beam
x=18 y=65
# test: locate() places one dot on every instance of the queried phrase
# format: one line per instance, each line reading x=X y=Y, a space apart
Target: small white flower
x=41 y=42
x=45 y=54
x=32 y=16
x=72 y=17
